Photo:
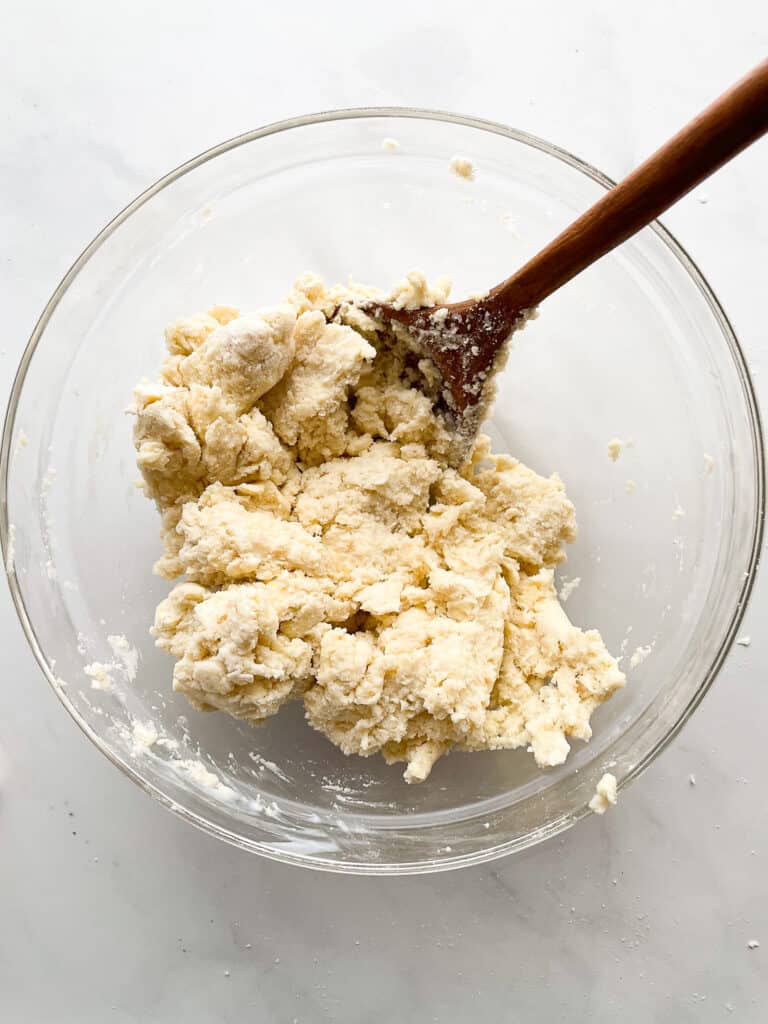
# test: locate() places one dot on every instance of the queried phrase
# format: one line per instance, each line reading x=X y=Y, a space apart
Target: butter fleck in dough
x=332 y=555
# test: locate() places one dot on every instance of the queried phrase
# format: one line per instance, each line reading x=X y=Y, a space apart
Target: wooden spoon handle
x=732 y=122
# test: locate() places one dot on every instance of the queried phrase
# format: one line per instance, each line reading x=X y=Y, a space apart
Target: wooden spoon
x=467 y=340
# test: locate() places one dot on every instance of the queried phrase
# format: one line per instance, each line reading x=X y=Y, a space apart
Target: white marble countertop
x=113 y=910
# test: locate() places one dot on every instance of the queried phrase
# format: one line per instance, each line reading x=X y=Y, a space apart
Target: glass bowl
x=637 y=348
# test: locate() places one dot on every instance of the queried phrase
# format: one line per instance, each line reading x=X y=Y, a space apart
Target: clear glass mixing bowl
x=637 y=347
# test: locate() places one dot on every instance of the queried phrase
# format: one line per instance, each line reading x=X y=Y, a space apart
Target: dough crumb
x=390 y=145
x=100 y=677
x=568 y=587
x=197 y=772
x=691 y=780
x=753 y=944
x=144 y=736
x=615 y=446
x=462 y=167
x=639 y=655
x=126 y=655
x=709 y=464
x=744 y=641
x=21 y=442
x=605 y=794
x=630 y=487
x=678 y=512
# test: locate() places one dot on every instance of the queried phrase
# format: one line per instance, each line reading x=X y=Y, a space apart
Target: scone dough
x=332 y=555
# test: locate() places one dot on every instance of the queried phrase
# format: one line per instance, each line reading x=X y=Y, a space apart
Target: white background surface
x=110 y=908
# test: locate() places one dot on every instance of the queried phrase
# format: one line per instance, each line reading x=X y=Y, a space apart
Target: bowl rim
x=357 y=113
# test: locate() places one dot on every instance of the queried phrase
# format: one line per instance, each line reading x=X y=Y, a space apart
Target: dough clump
x=331 y=553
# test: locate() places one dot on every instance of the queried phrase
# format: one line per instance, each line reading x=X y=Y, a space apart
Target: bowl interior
x=634 y=349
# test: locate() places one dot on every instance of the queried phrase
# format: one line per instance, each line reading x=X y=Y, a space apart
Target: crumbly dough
x=332 y=554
